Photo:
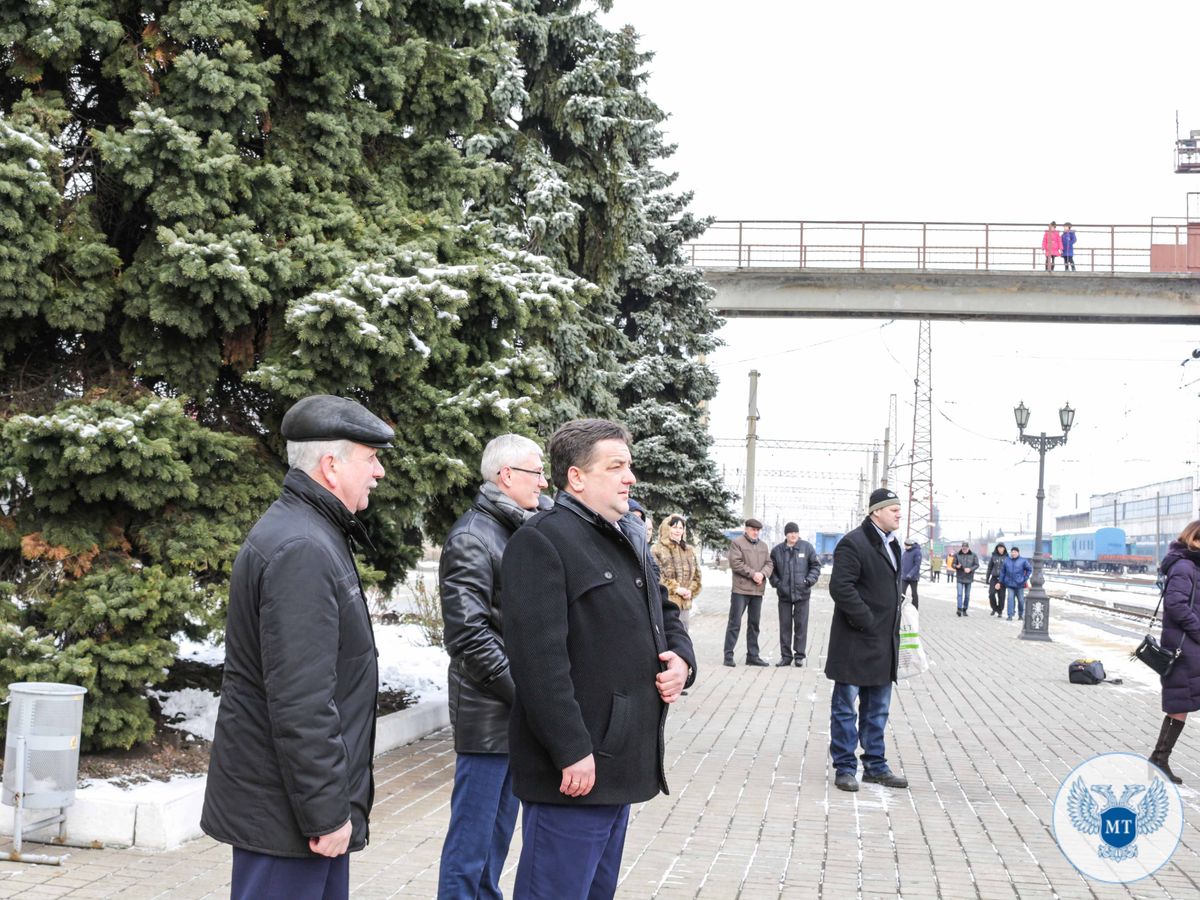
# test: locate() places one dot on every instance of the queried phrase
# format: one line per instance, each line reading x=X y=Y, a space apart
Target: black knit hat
x=791 y=528
x=881 y=497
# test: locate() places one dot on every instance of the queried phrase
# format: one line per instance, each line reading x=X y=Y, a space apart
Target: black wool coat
x=585 y=619
x=291 y=758
x=864 y=636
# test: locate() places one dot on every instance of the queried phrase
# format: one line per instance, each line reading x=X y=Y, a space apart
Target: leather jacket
x=479 y=685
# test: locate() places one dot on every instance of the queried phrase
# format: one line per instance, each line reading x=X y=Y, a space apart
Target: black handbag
x=1161 y=659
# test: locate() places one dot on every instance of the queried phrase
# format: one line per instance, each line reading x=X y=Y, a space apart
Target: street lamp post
x=1037 y=604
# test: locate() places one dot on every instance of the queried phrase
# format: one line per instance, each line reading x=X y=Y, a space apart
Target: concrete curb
x=163 y=815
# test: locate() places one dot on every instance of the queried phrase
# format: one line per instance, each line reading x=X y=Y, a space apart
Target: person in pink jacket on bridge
x=1051 y=245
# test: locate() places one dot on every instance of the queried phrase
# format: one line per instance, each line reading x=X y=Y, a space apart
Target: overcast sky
x=1015 y=112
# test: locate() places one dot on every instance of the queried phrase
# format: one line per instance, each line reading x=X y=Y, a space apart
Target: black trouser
x=738 y=604
x=1069 y=263
x=996 y=596
x=793 y=629
x=911 y=584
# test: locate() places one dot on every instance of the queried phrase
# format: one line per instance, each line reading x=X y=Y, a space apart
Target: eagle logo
x=1118 y=823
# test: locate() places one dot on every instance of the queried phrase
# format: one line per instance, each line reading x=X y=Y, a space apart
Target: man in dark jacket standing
x=596 y=651
x=290 y=784
x=965 y=564
x=483 y=810
x=795 y=568
x=910 y=570
x=864 y=643
x=750 y=562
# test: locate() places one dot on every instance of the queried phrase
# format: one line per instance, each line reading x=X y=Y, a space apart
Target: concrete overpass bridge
x=1147 y=274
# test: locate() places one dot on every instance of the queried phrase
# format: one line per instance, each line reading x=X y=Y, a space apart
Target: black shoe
x=730 y=663
x=683 y=693
x=964 y=612
x=958 y=612
x=783 y=662
x=757 y=661
x=845 y=782
x=887 y=779
x=800 y=663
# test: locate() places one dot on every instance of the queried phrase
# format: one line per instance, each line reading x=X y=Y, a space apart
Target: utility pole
x=920 y=452
x=892 y=431
x=751 y=441
x=887 y=454
x=874 y=467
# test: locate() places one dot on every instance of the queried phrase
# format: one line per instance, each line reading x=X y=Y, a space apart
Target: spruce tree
x=586 y=163
x=212 y=209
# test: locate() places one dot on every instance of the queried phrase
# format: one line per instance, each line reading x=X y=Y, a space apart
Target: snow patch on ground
x=195 y=709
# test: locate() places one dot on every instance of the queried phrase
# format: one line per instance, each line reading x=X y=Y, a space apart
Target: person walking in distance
x=995 y=583
x=795 y=568
x=864 y=644
x=1180 y=629
x=1051 y=245
x=1014 y=575
x=750 y=562
x=965 y=564
x=678 y=569
x=290 y=780
x=935 y=567
x=910 y=569
x=597 y=653
x=1068 y=248
x=483 y=810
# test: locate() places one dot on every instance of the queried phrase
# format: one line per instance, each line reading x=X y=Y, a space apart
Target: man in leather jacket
x=290 y=783
x=483 y=810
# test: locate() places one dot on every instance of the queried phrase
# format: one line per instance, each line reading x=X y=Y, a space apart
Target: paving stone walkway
x=985 y=739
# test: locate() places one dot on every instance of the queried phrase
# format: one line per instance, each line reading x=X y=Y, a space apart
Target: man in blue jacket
x=1014 y=574
x=910 y=569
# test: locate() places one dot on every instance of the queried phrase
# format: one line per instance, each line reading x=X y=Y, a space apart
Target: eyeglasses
x=540 y=473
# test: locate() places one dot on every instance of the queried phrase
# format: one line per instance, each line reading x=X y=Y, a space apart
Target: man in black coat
x=483 y=810
x=290 y=783
x=597 y=651
x=795 y=569
x=864 y=643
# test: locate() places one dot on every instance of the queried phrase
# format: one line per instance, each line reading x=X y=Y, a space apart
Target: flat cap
x=753 y=523
x=323 y=417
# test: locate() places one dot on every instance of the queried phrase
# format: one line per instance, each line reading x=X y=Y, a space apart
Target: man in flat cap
x=864 y=643
x=750 y=562
x=290 y=784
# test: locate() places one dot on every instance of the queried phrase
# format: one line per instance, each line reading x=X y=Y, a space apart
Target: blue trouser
x=483 y=814
x=847 y=727
x=570 y=852
x=964 y=594
x=257 y=876
x=1019 y=594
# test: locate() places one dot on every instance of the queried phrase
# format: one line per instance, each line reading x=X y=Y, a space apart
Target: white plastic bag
x=913 y=660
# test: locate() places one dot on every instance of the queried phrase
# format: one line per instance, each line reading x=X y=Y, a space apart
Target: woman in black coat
x=1181 y=628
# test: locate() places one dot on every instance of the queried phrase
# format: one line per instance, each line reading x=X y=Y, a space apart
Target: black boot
x=1167 y=737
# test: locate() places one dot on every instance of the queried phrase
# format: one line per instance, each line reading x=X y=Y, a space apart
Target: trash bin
x=41 y=755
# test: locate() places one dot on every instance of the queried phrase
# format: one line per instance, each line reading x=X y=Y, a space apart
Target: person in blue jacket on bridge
x=1014 y=575
x=1068 y=247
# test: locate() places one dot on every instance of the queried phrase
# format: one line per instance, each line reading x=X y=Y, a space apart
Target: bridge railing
x=1164 y=246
